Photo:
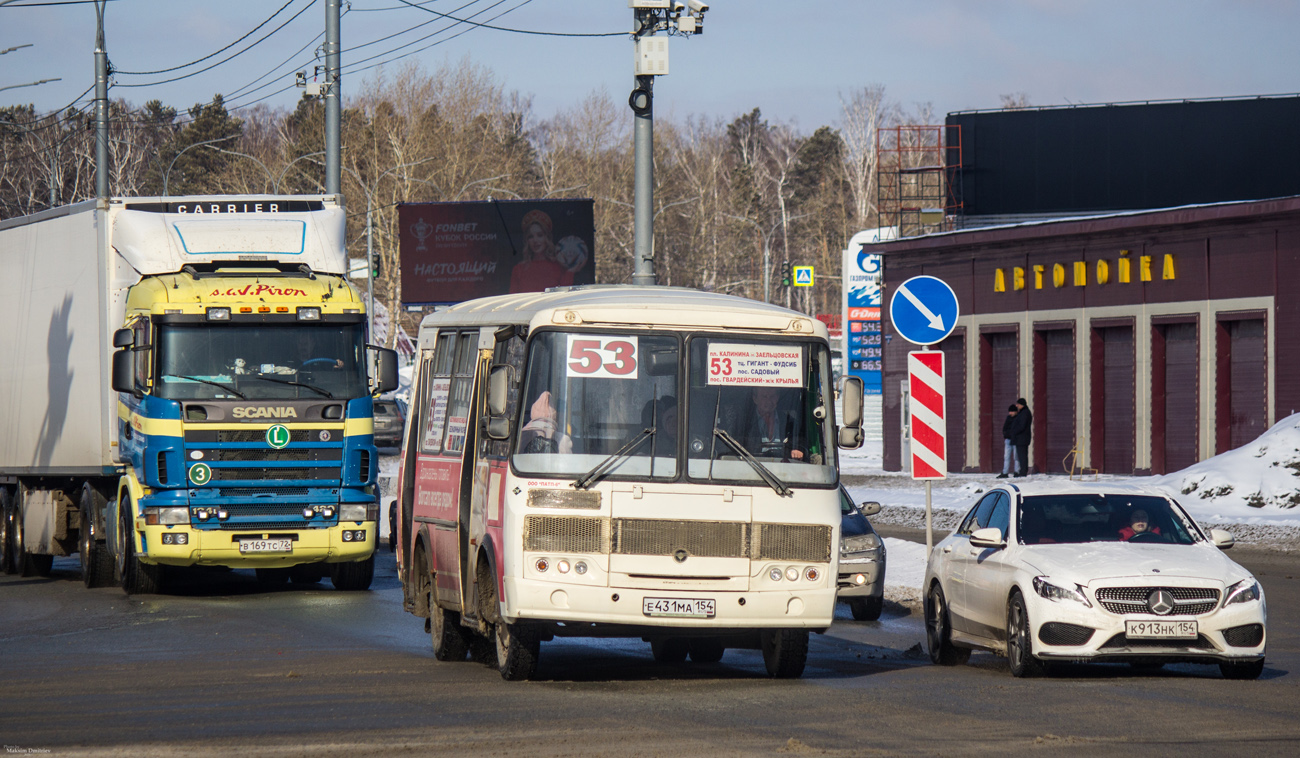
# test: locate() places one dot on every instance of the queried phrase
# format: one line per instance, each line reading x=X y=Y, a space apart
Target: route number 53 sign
x=597 y=356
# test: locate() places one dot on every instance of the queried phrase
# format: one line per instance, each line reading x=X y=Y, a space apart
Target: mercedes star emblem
x=1161 y=602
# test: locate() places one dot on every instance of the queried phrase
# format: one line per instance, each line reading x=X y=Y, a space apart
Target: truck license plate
x=1156 y=630
x=681 y=607
x=266 y=546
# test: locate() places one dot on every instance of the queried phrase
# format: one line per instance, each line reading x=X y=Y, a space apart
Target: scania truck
x=186 y=381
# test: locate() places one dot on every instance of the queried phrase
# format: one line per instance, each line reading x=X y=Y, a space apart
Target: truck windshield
x=600 y=404
x=263 y=361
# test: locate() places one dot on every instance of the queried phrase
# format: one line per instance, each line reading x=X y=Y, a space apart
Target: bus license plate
x=681 y=607
x=1157 y=630
x=266 y=546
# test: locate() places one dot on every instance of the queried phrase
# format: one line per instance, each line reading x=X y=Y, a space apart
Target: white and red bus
x=645 y=462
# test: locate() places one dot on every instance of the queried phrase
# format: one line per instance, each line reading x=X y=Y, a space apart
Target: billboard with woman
x=452 y=252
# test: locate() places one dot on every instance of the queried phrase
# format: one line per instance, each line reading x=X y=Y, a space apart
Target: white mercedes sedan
x=1083 y=572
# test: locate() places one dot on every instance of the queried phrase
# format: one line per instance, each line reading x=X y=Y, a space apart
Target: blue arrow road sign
x=923 y=310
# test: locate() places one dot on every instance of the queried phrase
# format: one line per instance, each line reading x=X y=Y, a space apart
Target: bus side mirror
x=124 y=369
x=850 y=431
x=385 y=369
x=498 y=395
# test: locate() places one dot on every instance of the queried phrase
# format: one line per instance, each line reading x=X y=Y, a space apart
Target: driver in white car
x=1137 y=524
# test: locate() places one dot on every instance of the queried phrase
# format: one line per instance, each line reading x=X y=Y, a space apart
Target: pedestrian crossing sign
x=803 y=276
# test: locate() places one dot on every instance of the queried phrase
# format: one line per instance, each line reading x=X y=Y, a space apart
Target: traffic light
x=378 y=270
x=785 y=274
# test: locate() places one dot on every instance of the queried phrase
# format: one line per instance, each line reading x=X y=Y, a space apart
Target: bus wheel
x=706 y=650
x=353 y=577
x=669 y=649
x=96 y=564
x=517 y=651
x=785 y=651
x=449 y=643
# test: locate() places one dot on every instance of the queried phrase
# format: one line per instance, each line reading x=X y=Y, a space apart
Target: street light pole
x=101 y=105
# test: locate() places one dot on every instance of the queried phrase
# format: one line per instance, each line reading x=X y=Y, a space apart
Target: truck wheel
x=96 y=565
x=353 y=577
x=7 y=563
x=785 y=651
x=272 y=576
x=137 y=578
x=517 y=651
x=28 y=564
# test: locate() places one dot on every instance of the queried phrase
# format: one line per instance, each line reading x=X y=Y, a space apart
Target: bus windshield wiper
x=293 y=383
x=763 y=471
x=227 y=388
x=606 y=465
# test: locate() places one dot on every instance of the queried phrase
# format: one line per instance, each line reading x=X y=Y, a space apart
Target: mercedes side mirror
x=1222 y=539
x=988 y=537
x=869 y=508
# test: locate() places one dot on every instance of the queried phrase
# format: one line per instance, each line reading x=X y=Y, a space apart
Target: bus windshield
x=600 y=404
x=261 y=361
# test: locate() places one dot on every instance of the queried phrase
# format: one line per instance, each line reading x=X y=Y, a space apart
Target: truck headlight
x=1243 y=592
x=358 y=512
x=155 y=516
x=1053 y=592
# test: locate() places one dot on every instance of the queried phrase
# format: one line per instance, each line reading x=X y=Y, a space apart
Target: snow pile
x=1258 y=483
x=904 y=569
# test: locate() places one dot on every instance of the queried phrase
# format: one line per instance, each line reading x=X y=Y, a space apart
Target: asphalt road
x=224 y=666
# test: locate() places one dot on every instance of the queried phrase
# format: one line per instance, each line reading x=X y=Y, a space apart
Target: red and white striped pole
x=927 y=414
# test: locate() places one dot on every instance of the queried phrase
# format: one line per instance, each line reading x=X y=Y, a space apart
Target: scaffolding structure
x=919 y=178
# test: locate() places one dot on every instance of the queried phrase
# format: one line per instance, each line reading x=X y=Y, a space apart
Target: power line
x=432 y=44
x=225 y=60
x=513 y=31
x=434 y=34
x=211 y=55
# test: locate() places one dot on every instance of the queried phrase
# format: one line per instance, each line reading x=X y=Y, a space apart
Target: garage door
x=1113 y=399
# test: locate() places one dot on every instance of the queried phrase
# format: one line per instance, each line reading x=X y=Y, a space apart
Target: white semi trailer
x=186 y=381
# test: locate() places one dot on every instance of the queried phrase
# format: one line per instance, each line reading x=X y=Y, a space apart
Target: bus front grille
x=566 y=534
x=792 y=542
x=713 y=539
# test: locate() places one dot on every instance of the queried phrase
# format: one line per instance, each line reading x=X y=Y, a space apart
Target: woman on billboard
x=541 y=268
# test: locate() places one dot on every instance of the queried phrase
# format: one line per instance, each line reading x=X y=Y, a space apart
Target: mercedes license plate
x=681 y=607
x=266 y=546
x=1158 y=630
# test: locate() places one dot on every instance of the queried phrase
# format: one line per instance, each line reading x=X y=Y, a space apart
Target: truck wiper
x=763 y=471
x=317 y=390
x=227 y=388
x=604 y=466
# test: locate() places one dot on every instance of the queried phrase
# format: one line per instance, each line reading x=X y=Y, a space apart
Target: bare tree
x=862 y=113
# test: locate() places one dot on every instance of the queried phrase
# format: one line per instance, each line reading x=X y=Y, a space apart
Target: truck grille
x=283 y=474
x=714 y=539
x=1188 y=601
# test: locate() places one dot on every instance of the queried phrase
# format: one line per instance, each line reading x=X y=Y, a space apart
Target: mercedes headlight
x=1243 y=592
x=1056 y=593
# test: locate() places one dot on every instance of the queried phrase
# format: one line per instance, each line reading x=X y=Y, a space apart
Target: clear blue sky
x=792 y=59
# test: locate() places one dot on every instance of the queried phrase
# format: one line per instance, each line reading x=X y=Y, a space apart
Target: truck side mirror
x=385 y=369
x=124 y=338
x=124 y=369
x=850 y=432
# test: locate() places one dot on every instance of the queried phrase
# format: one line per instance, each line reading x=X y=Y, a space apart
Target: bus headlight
x=775 y=574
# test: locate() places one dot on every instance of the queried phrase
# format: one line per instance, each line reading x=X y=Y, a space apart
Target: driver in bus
x=542 y=432
x=773 y=429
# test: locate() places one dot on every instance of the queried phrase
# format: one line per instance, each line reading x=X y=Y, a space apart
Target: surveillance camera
x=697 y=6
x=678 y=6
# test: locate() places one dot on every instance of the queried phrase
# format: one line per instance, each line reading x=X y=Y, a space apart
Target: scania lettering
x=187 y=383
x=578 y=463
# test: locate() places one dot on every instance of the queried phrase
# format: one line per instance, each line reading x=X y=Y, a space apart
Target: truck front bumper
x=210 y=547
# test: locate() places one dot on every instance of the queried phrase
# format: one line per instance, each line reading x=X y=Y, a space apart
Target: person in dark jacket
x=1009 y=465
x=1021 y=435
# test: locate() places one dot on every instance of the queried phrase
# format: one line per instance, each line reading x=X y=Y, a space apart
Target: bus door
x=445 y=400
x=481 y=510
